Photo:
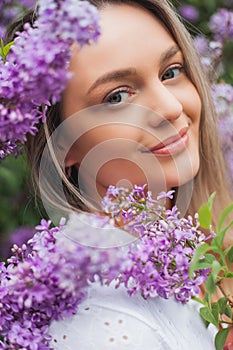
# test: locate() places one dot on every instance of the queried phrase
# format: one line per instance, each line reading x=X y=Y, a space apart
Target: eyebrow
x=114 y=75
x=168 y=54
x=124 y=73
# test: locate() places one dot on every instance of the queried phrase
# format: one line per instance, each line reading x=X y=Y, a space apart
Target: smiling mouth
x=172 y=145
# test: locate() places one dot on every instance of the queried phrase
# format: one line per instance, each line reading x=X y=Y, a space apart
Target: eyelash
x=118 y=91
x=179 y=67
x=129 y=90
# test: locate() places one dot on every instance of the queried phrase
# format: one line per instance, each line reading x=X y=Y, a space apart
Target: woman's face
x=141 y=115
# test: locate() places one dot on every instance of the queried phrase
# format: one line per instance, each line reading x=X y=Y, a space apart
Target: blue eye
x=172 y=73
x=117 y=97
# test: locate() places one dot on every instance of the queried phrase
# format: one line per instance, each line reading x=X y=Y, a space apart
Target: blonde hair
x=212 y=172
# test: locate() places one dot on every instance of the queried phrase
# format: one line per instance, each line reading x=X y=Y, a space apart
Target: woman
x=137 y=110
x=209 y=175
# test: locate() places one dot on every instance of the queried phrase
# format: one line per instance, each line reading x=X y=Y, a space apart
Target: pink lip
x=173 y=144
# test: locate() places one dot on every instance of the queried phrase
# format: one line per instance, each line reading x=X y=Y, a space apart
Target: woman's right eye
x=118 y=96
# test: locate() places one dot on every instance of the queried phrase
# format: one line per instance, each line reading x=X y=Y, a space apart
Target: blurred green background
x=17 y=203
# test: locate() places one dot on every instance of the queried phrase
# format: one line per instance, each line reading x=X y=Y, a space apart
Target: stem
x=223 y=292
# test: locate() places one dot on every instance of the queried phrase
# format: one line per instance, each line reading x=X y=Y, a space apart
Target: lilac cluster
x=211 y=52
x=221 y=24
x=223 y=100
x=39 y=58
x=158 y=264
x=19 y=236
x=189 y=12
x=48 y=278
x=45 y=281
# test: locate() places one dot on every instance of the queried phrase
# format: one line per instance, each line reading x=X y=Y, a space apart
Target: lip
x=172 y=145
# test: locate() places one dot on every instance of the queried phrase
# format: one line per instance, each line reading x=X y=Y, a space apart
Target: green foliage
x=220 y=338
x=17 y=205
x=205 y=212
x=5 y=49
x=215 y=257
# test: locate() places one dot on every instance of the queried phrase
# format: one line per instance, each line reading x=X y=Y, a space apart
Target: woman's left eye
x=172 y=73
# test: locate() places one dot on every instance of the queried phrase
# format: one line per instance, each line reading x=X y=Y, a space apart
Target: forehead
x=130 y=37
x=125 y=31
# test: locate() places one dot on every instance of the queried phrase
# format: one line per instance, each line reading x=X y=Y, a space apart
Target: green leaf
x=218 y=239
x=216 y=268
x=205 y=216
x=230 y=255
x=228 y=274
x=199 y=300
x=210 y=284
x=211 y=200
x=208 y=316
x=223 y=217
x=5 y=49
x=220 y=338
x=209 y=258
x=205 y=262
x=200 y=251
x=215 y=311
x=222 y=303
x=228 y=311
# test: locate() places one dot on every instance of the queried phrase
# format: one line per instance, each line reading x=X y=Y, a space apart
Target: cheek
x=191 y=103
x=106 y=141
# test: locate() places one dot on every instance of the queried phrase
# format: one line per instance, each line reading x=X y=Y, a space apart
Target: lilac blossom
x=47 y=278
x=189 y=12
x=158 y=264
x=223 y=100
x=221 y=24
x=19 y=236
x=210 y=52
x=27 y=3
x=40 y=58
x=46 y=284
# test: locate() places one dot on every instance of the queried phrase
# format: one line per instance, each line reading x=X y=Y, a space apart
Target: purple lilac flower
x=19 y=236
x=27 y=3
x=202 y=45
x=39 y=58
x=158 y=264
x=51 y=281
x=223 y=100
x=189 y=12
x=221 y=24
x=210 y=52
x=47 y=284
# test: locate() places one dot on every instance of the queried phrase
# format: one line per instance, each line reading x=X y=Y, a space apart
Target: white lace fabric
x=110 y=319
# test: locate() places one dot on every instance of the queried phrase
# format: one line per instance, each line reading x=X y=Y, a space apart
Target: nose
x=164 y=104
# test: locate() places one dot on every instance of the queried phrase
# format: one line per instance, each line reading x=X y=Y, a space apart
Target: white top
x=110 y=319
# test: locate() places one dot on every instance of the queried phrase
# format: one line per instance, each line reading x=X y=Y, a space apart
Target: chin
x=181 y=177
